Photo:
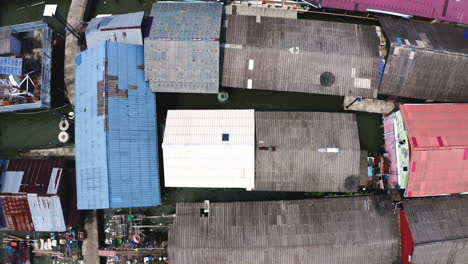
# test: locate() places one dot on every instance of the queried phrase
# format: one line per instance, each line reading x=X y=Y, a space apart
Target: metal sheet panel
x=439 y=148
x=300 y=56
x=11 y=181
x=37 y=174
x=182 y=66
x=261 y=11
x=186 y=20
x=17 y=213
x=115 y=130
x=132 y=136
x=200 y=147
x=125 y=28
x=5 y=37
x=11 y=66
x=46 y=213
x=182 y=51
x=449 y=10
x=287 y=232
x=305 y=151
x=439 y=226
x=425 y=61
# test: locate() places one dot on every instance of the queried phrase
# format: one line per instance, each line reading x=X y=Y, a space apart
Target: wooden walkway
x=72 y=46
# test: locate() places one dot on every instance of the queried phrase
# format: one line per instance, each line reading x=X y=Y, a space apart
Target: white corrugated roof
x=46 y=213
x=195 y=154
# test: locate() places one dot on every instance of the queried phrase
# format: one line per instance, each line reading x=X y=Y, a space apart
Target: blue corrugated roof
x=117 y=164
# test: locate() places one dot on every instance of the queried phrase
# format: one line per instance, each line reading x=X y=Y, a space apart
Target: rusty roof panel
x=38 y=174
x=17 y=213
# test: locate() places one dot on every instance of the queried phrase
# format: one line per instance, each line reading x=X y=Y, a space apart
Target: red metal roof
x=37 y=173
x=439 y=148
x=17 y=213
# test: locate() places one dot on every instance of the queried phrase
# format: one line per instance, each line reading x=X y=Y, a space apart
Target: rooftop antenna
x=17 y=91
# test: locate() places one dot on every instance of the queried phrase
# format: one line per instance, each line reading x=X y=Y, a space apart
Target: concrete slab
x=91 y=243
x=72 y=46
x=367 y=105
x=54 y=152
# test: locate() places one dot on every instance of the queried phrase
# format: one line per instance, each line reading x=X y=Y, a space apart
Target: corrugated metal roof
x=439 y=148
x=186 y=20
x=304 y=151
x=439 y=227
x=182 y=51
x=449 y=10
x=17 y=212
x=5 y=37
x=46 y=213
x=11 y=66
x=440 y=37
x=41 y=177
x=115 y=132
x=182 y=66
x=425 y=61
x=124 y=28
x=339 y=230
x=300 y=56
x=209 y=148
x=246 y=10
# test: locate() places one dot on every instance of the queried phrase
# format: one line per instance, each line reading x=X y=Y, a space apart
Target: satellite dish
x=63 y=137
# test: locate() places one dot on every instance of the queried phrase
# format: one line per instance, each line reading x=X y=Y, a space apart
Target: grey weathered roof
x=186 y=20
x=444 y=38
x=5 y=34
x=337 y=230
x=299 y=161
x=439 y=227
x=292 y=54
x=425 y=61
x=182 y=66
x=182 y=51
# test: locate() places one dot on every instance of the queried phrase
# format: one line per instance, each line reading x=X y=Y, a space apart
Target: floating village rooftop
x=115 y=129
x=428 y=148
x=334 y=230
x=269 y=151
x=25 y=66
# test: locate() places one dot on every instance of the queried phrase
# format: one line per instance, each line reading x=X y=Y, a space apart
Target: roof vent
x=327 y=79
x=204 y=212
